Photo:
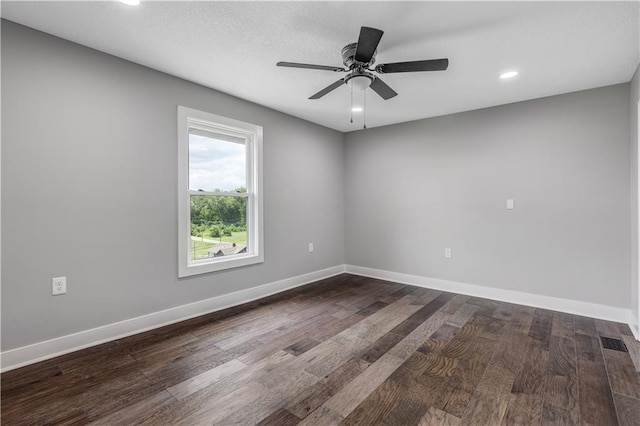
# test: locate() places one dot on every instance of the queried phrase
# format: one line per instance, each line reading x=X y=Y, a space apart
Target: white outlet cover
x=510 y=204
x=447 y=253
x=58 y=285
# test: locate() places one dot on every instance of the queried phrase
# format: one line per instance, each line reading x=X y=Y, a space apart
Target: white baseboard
x=609 y=313
x=634 y=327
x=40 y=351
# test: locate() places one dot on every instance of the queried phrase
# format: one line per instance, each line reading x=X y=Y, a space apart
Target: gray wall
x=414 y=189
x=89 y=188
x=633 y=104
x=89 y=191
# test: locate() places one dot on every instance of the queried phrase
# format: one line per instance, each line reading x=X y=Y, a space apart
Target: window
x=219 y=193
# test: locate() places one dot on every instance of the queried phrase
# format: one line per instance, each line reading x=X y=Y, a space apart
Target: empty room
x=320 y=213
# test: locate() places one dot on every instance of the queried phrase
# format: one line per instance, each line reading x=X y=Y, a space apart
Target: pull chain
x=364 y=109
x=351 y=86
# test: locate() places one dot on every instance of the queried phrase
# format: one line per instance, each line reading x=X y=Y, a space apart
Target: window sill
x=206 y=266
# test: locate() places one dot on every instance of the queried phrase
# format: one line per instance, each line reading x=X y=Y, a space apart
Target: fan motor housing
x=348 y=56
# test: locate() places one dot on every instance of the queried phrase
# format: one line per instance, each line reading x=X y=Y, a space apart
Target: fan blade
x=413 y=66
x=381 y=88
x=367 y=44
x=328 y=89
x=310 y=66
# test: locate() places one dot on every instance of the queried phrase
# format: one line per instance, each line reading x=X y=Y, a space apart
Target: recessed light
x=131 y=2
x=508 y=74
x=356 y=109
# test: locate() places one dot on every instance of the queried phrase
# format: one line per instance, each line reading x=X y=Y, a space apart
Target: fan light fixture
x=130 y=2
x=357 y=109
x=360 y=82
x=508 y=74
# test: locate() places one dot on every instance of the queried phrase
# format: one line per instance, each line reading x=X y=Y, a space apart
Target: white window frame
x=189 y=118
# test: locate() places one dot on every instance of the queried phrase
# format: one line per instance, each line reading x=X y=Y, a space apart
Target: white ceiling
x=558 y=47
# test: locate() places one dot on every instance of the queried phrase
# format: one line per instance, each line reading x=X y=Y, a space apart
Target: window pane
x=216 y=163
x=218 y=226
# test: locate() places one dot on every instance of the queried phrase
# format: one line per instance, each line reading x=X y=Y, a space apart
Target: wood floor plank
x=96 y=363
x=137 y=412
x=32 y=383
x=122 y=390
x=432 y=320
x=194 y=384
x=418 y=336
x=344 y=374
x=374 y=408
x=439 y=339
x=229 y=405
x=350 y=396
x=596 y=401
x=473 y=354
x=308 y=401
x=541 y=326
x=435 y=417
x=301 y=346
x=262 y=404
x=504 y=311
x=628 y=410
x=333 y=354
x=607 y=328
x=289 y=336
x=190 y=405
x=375 y=350
x=279 y=418
x=372 y=308
x=420 y=390
x=584 y=325
x=485 y=306
x=522 y=319
x=194 y=363
x=562 y=325
x=462 y=315
x=525 y=402
x=625 y=330
x=348 y=349
x=634 y=350
x=410 y=407
x=505 y=362
x=333 y=328
x=313 y=397
x=322 y=416
x=147 y=351
x=622 y=374
x=356 y=338
x=458 y=390
x=427 y=297
x=454 y=304
x=254 y=332
x=463 y=341
x=561 y=392
x=484 y=409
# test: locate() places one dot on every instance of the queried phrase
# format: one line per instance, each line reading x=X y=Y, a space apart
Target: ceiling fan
x=358 y=58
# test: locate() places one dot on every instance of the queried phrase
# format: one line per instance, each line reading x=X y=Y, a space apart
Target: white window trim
x=191 y=118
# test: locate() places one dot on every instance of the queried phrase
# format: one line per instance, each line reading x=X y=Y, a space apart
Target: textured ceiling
x=558 y=47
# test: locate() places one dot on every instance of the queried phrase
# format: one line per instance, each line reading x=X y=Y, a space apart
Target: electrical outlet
x=310 y=247
x=447 y=253
x=510 y=204
x=58 y=285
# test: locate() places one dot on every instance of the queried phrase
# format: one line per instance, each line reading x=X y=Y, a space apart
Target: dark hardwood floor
x=346 y=350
